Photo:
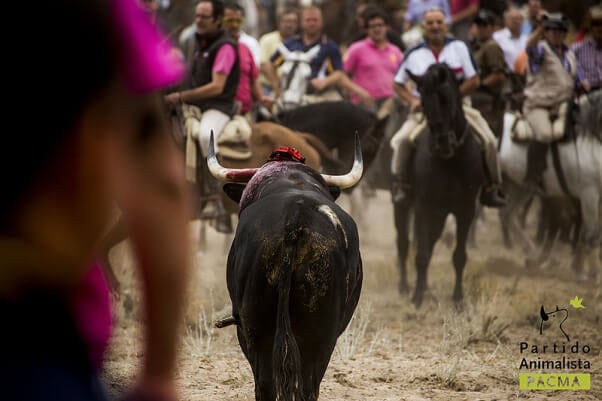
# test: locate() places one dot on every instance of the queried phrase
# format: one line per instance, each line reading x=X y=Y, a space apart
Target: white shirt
x=510 y=46
x=455 y=54
x=252 y=44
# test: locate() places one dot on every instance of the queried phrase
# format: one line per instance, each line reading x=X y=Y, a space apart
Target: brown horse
x=265 y=138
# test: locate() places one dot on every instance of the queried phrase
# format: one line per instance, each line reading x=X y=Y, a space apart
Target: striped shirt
x=589 y=58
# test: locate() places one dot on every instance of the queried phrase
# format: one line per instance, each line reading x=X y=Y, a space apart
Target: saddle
x=563 y=120
x=235 y=140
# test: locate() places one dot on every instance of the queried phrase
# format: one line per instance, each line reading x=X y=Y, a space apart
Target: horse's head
x=295 y=72
x=442 y=108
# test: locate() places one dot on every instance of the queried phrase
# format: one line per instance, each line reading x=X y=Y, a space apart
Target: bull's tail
x=286 y=358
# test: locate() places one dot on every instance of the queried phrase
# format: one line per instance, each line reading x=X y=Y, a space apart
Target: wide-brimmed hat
x=556 y=21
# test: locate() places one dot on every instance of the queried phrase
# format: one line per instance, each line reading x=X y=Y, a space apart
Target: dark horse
x=446 y=174
x=334 y=124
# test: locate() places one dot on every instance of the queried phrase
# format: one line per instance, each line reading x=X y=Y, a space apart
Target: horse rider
x=551 y=80
x=589 y=51
x=207 y=94
x=437 y=47
x=326 y=67
x=488 y=54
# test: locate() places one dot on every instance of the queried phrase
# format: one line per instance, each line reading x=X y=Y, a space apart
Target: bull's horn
x=353 y=176
x=226 y=174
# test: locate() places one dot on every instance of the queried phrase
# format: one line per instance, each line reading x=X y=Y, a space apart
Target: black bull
x=294 y=273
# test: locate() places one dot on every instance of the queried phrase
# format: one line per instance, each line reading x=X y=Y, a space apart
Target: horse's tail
x=323 y=151
x=286 y=358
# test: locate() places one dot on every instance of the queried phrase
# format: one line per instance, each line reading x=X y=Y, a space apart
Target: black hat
x=484 y=17
x=556 y=21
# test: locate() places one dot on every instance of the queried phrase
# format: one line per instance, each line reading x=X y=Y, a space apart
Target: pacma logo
x=560 y=313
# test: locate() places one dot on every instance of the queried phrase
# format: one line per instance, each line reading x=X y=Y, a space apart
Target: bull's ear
x=234 y=191
x=334 y=191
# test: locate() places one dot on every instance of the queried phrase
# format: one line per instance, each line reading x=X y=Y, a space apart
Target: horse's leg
x=428 y=227
x=503 y=214
x=472 y=233
x=402 y=225
x=590 y=239
x=463 y=223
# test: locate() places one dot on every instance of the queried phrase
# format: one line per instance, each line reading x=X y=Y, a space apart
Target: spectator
x=362 y=31
x=288 y=24
x=372 y=62
x=487 y=98
x=534 y=12
x=417 y=8
x=248 y=86
x=511 y=39
x=498 y=8
x=327 y=76
x=589 y=51
x=106 y=142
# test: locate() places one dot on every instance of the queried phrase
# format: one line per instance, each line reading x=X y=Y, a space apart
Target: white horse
x=581 y=163
x=295 y=72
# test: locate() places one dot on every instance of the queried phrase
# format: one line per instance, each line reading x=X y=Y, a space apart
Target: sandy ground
x=391 y=351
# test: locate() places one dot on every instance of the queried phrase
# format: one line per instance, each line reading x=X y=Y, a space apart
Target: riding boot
x=491 y=193
x=401 y=187
x=536 y=165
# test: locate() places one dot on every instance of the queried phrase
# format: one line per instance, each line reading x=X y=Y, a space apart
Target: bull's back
x=325 y=254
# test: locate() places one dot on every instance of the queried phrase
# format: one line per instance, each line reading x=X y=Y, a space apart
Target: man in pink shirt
x=249 y=88
x=372 y=62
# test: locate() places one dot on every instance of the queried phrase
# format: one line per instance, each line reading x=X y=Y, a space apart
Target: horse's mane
x=440 y=79
x=439 y=76
x=591 y=115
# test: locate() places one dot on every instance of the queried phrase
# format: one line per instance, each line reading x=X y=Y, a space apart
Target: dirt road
x=390 y=350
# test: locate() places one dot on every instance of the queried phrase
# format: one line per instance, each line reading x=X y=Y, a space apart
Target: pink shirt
x=458 y=5
x=93 y=315
x=248 y=74
x=372 y=68
x=224 y=59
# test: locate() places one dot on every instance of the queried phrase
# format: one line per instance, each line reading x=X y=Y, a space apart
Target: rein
x=291 y=74
x=462 y=138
